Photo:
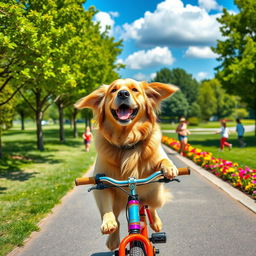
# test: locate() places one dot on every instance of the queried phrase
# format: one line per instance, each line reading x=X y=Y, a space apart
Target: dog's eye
x=134 y=89
x=113 y=90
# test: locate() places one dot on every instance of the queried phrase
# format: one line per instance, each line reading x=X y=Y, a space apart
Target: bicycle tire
x=137 y=249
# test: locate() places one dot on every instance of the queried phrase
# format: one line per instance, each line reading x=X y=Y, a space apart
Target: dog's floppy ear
x=158 y=91
x=92 y=100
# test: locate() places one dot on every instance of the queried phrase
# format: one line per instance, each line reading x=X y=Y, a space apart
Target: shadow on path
x=103 y=254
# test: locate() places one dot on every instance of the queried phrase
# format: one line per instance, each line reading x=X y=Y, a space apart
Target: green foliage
x=181 y=103
x=52 y=113
x=237 y=52
x=194 y=110
x=207 y=100
x=6 y=111
x=180 y=78
x=193 y=121
x=22 y=108
x=225 y=102
x=240 y=113
x=54 y=50
x=175 y=106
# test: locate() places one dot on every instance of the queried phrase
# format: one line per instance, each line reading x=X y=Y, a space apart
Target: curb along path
x=233 y=192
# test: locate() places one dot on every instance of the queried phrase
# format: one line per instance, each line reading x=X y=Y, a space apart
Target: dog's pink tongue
x=124 y=114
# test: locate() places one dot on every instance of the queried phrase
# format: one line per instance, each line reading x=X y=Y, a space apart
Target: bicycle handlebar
x=92 y=180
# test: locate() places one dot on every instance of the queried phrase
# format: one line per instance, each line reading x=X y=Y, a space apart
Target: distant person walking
x=240 y=133
x=183 y=133
x=224 y=136
x=87 y=136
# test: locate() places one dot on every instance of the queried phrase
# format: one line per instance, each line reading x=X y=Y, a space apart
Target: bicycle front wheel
x=137 y=249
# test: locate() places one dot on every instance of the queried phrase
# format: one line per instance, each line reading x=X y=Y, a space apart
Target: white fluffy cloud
x=202 y=75
x=209 y=5
x=114 y=14
x=105 y=20
x=174 y=24
x=140 y=77
x=144 y=77
x=200 y=52
x=153 y=57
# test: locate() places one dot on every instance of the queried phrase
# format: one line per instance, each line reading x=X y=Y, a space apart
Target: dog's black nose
x=123 y=94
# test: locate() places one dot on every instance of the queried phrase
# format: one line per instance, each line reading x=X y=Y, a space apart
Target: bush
x=193 y=121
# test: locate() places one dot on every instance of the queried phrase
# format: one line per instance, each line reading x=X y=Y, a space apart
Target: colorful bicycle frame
x=136 y=215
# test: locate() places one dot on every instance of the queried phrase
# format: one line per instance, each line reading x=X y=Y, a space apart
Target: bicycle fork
x=137 y=226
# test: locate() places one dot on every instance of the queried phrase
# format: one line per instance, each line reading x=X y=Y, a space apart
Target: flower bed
x=241 y=178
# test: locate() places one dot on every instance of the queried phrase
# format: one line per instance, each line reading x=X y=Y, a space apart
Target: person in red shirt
x=87 y=136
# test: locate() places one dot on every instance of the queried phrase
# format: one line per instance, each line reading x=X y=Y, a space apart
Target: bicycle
x=137 y=240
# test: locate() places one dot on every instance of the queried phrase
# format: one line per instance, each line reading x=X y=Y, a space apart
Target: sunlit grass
x=32 y=182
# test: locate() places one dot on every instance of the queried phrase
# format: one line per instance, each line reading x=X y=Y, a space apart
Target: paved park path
x=202 y=220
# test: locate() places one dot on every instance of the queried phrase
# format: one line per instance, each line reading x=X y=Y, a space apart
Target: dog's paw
x=157 y=224
x=169 y=170
x=109 y=224
x=113 y=241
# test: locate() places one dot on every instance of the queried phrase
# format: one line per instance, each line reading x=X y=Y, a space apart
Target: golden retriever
x=128 y=143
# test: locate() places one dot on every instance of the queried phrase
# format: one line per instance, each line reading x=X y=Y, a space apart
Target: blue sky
x=167 y=33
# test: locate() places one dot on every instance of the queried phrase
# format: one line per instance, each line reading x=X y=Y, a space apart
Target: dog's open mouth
x=124 y=113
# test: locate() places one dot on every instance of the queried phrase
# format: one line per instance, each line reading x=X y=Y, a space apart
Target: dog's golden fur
x=128 y=145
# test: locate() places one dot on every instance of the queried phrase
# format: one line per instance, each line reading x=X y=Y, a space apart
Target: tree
x=58 y=48
x=194 y=110
x=207 y=101
x=15 y=29
x=23 y=110
x=225 y=102
x=241 y=113
x=175 y=106
x=6 y=114
x=180 y=78
x=52 y=114
x=97 y=63
x=237 y=52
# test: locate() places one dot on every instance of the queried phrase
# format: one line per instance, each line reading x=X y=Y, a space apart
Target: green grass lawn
x=168 y=126
x=32 y=182
x=210 y=143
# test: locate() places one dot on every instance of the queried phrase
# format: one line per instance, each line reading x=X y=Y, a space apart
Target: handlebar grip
x=184 y=171
x=85 y=181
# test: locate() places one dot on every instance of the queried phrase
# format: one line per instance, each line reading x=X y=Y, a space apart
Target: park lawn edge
x=24 y=227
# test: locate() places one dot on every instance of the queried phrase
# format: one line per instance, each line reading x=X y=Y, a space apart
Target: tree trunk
x=22 y=117
x=39 y=130
x=75 y=134
x=61 y=121
x=86 y=122
x=39 y=119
